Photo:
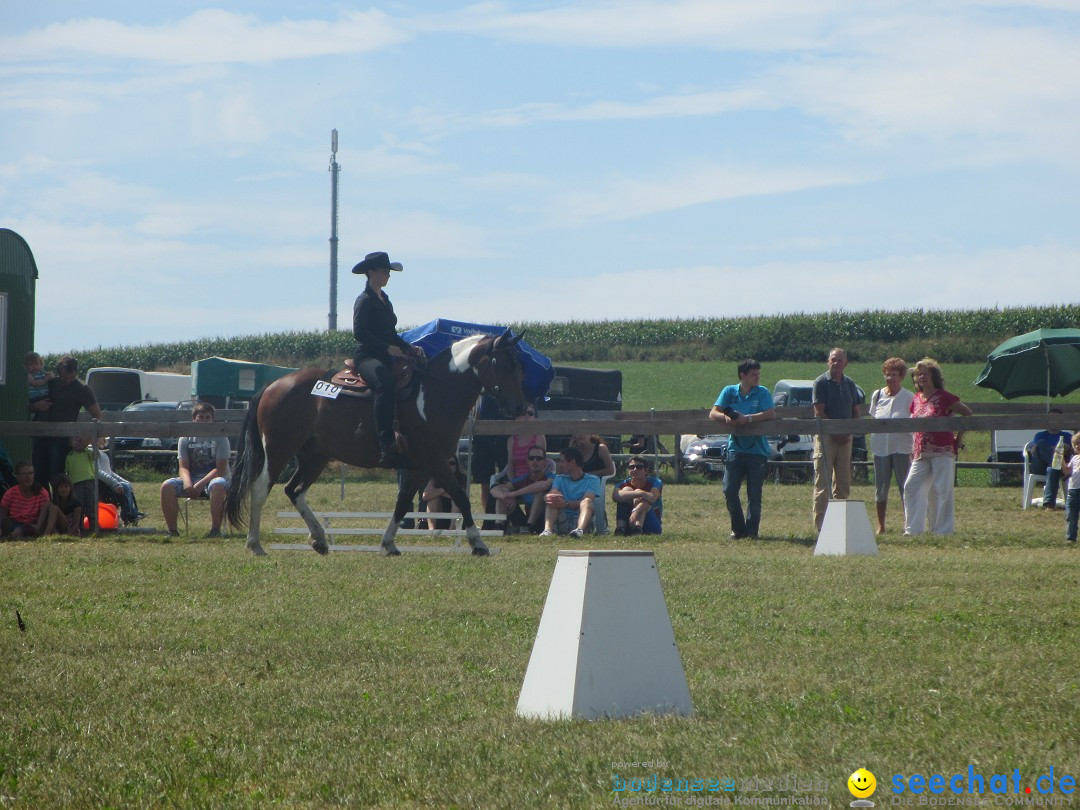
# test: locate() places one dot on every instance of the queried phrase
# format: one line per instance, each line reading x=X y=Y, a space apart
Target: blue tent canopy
x=437 y=335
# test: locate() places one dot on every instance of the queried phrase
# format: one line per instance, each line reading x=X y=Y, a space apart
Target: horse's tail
x=250 y=460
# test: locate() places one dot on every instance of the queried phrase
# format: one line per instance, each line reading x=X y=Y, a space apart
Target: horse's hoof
x=391 y=551
x=481 y=552
x=321 y=547
x=257 y=550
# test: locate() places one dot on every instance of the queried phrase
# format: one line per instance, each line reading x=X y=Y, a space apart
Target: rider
x=374 y=325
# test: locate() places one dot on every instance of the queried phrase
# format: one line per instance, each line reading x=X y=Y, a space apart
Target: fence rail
x=653 y=423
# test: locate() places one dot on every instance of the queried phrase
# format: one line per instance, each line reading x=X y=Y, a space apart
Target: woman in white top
x=892 y=451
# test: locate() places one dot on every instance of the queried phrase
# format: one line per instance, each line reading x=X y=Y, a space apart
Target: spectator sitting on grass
x=639 y=506
x=570 y=507
x=69 y=512
x=522 y=493
x=25 y=510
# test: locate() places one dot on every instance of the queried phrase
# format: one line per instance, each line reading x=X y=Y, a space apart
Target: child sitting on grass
x=69 y=510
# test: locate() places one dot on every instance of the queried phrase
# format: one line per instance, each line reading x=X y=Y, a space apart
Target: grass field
x=188 y=674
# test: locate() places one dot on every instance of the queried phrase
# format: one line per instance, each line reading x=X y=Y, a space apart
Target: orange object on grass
x=108 y=517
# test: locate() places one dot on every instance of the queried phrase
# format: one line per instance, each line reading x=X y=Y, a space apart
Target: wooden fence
x=986 y=417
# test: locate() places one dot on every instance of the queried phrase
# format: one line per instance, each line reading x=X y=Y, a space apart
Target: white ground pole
x=605 y=646
x=846 y=530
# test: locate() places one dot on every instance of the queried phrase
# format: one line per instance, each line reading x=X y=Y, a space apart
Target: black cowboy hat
x=376 y=261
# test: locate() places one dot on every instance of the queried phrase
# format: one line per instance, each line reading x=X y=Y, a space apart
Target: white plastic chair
x=1030 y=478
x=600 y=521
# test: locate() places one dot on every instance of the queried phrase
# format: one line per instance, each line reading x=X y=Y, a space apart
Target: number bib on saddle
x=325 y=389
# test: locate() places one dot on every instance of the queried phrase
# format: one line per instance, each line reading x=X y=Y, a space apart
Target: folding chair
x=1030 y=478
x=600 y=522
x=201 y=499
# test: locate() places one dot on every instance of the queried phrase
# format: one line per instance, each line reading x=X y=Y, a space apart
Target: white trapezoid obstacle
x=605 y=647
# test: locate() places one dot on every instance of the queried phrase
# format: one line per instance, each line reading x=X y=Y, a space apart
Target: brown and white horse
x=286 y=420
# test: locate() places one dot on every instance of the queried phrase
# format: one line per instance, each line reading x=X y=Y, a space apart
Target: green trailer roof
x=238 y=379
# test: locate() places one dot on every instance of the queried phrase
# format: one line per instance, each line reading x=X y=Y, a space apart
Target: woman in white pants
x=892 y=451
x=934 y=457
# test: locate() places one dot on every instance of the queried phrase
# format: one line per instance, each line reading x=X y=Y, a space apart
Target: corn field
x=953 y=336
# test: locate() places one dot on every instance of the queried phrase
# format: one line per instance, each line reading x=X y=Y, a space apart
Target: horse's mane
x=460 y=350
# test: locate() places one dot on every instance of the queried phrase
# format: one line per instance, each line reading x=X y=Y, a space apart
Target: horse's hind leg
x=260 y=489
x=308 y=468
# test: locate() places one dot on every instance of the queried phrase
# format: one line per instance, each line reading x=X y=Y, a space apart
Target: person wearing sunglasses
x=518 y=499
x=747 y=456
x=639 y=505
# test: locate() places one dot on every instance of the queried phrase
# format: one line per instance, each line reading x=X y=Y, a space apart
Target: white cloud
x=728 y=24
x=209 y=36
x=623 y=197
x=420 y=233
x=940 y=77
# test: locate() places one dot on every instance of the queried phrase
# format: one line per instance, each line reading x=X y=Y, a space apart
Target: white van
x=115 y=388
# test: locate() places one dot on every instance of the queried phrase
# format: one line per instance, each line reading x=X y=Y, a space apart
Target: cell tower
x=334 y=169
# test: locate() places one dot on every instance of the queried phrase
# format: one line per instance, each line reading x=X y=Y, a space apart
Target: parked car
x=123 y=447
x=706 y=455
x=800 y=394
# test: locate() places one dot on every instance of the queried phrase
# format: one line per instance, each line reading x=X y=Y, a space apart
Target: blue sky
x=168 y=162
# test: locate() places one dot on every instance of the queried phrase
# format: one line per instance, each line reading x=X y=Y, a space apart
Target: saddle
x=352 y=384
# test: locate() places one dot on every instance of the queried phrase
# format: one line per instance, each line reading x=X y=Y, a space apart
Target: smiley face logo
x=861 y=783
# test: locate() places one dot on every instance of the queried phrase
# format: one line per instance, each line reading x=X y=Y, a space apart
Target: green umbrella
x=1043 y=362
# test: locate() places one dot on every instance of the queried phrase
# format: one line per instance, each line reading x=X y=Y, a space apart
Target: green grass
x=187 y=673
x=669 y=386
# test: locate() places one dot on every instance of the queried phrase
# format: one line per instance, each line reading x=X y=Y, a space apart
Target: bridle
x=492 y=353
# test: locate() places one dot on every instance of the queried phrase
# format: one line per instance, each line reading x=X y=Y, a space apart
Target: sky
x=168 y=162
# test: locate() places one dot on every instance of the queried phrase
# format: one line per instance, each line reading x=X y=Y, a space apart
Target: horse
x=285 y=420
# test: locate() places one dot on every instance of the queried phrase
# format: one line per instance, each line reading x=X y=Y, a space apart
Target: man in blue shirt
x=1042 y=455
x=747 y=456
x=571 y=502
x=835 y=397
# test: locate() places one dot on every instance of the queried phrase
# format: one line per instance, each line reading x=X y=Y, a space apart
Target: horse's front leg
x=472 y=534
x=408 y=483
x=307 y=472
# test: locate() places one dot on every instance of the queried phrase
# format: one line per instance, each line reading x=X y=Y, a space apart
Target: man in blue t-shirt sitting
x=747 y=456
x=570 y=502
x=1042 y=455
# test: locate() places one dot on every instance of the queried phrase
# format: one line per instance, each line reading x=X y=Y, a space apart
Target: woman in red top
x=934 y=458
x=25 y=509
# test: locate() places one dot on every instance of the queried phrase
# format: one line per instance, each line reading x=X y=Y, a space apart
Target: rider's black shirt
x=375 y=326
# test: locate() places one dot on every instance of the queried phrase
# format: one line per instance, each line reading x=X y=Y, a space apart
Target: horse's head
x=497 y=363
